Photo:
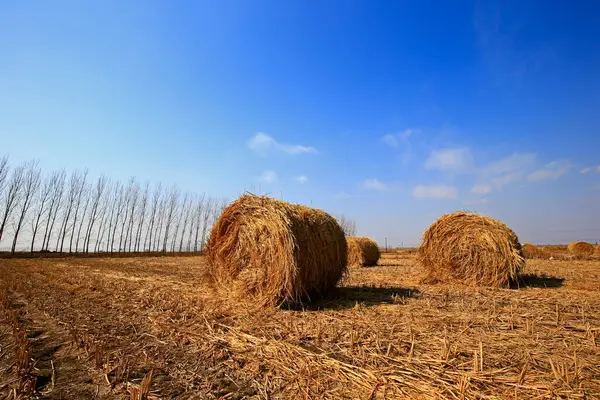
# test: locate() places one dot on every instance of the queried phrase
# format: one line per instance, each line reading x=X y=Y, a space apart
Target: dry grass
x=117 y=328
x=362 y=251
x=275 y=251
x=581 y=249
x=472 y=249
x=531 y=251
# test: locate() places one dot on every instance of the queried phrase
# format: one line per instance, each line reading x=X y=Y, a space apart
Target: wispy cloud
x=268 y=176
x=553 y=170
x=302 y=179
x=595 y=168
x=435 y=192
x=341 y=195
x=374 y=184
x=481 y=189
x=400 y=141
x=476 y=202
x=507 y=170
x=262 y=143
x=451 y=159
x=395 y=140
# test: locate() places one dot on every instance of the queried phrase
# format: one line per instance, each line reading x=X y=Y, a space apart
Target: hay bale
x=580 y=249
x=470 y=249
x=531 y=251
x=274 y=251
x=362 y=251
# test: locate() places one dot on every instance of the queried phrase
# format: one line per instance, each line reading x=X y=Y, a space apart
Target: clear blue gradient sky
x=392 y=113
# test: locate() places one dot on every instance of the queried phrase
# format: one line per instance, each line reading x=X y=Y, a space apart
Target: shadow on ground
x=350 y=296
x=537 y=281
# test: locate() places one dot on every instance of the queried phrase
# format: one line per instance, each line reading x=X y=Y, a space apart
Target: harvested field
x=126 y=328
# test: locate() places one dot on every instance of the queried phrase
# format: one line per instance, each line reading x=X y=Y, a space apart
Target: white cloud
x=595 y=168
x=268 y=176
x=451 y=159
x=505 y=179
x=481 y=189
x=553 y=170
x=507 y=170
x=262 y=143
x=435 y=192
x=374 y=184
x=476 y=202
x=512 y=163
x=341 y=195
x=396 y=140
x=302 y=179
x=400 y=141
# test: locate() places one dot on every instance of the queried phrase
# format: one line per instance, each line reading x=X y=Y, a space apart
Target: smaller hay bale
x=470 y=249
x=580 y=249
x=362 y=251
x=531 y=251
x=274 y=252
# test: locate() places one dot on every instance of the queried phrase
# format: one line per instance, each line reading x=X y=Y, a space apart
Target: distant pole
x=386 y=248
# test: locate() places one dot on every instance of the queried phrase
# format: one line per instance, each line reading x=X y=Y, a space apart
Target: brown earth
x=148 y=327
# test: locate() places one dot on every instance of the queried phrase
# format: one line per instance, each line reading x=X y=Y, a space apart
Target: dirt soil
x=149 y=327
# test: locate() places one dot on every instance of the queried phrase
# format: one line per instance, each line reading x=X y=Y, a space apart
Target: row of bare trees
x=72 y=213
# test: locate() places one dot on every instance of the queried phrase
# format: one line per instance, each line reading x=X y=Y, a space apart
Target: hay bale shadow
x=537 y=281
x=349 y=296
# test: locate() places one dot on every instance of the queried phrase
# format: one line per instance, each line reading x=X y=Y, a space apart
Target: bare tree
x=171 y=207
x=205 y=217
x=31 y=184
x=198 y=213
x=143 y=208
x=97 y=194
x=133 y=196
x=58 y=189
x=159 y=222
x=119 y=205
x=182 y=209
x=11 y=199
x=153 y=212
x=74 y=184
x=44 y=196
x=87 y=194
x=189 y=218
x=81 y=190
x=126 y=200
x=4 y=167
x=348 y=225
x=112 y=203
x=104 y=216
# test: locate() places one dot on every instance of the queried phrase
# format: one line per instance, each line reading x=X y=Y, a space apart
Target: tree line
x=71 y=213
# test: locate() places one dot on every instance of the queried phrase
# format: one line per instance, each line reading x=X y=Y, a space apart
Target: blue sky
x=392 y=113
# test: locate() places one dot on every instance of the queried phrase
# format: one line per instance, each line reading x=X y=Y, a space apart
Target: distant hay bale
x=275 y=252
x=580 y=249
x=531 y=251
x=471 y=249
x=362 y=251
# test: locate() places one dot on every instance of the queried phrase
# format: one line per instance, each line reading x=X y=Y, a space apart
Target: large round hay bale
x=362 y=251
x=531 y=251
x=581 y=249
x=470 y=249
x=275 y=251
